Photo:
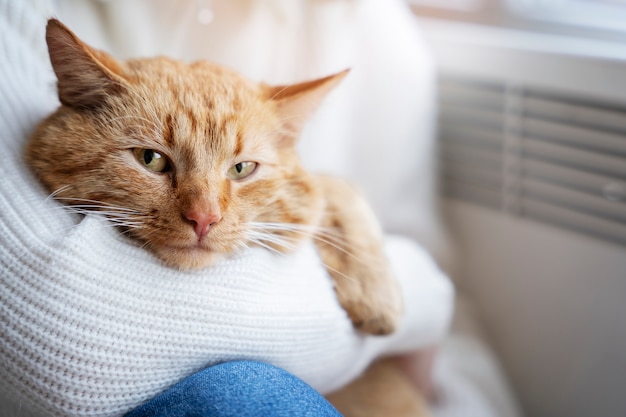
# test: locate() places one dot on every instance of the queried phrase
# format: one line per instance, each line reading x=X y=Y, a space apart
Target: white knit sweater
x=91 y=325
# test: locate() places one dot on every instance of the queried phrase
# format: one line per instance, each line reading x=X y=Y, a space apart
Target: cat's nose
x=202 y=221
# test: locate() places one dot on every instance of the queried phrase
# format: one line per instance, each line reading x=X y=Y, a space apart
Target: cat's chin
x=188 y=258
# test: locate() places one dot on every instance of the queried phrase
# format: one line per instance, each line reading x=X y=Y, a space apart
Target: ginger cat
x=196 y=162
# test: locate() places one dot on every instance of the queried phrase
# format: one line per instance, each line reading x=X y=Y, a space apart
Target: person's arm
x=91 y=324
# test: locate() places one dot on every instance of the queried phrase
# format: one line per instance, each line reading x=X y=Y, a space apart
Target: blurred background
x=532 y=171
x=491 y=131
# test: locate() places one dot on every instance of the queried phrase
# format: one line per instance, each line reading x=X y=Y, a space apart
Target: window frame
x=581 y=18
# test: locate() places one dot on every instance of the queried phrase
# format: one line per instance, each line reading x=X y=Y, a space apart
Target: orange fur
x=202 y=117
x=205 y=120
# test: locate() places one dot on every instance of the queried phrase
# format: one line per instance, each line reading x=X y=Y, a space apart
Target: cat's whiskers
x=323 y=234
x=268 y=235
x=97 y=206
x=118 y=216
x=338 y=272
x=266 y=246
x=115 y=219
x=146 y=242
x=328 y=232
x=57 y=192
x=267 y=238
x=326 y=235
x=241 y=244
x=277 y=93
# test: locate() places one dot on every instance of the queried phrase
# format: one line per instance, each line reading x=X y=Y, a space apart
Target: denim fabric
x=239 y=389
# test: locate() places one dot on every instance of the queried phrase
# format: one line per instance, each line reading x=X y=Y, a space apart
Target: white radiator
x=533 y=173
x=536 y=153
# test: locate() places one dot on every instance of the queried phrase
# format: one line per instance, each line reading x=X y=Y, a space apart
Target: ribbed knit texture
x=91 y=325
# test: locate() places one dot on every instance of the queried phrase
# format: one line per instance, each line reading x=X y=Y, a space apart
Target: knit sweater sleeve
x=92 y=325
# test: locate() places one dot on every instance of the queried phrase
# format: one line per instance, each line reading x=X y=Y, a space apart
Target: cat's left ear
x=85 y=75
x=297 y=102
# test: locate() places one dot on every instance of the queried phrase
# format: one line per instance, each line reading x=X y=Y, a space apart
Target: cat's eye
x=152 y=160
x=241 y=170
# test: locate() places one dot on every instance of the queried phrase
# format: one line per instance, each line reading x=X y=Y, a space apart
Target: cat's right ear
x=85 y=75
x=296 y=102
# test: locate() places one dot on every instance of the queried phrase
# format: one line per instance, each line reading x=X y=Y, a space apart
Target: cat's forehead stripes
x=203 y=144
x=207 y=122
x=238 y=143
x=168 y=130
x=218 y=135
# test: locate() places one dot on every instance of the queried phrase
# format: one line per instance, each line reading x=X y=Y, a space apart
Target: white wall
x=552 y=303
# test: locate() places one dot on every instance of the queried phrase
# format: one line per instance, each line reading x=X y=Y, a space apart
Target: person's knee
x=242 y=389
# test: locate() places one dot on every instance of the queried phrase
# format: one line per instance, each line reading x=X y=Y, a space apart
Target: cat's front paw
x=376 y=323
x=373 y=312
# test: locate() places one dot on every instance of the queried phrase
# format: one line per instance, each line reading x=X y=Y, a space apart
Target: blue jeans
x=239 y=389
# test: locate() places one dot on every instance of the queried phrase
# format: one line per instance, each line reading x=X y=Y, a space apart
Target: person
x=92 y=325
x=236 y=389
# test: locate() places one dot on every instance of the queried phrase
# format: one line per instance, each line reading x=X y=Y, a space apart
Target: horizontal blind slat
x=474 y=173
x=569 y=177
x=565 y=155
x=454 y=151
x=564 y=110
x=455 y=114
x=574 y=200
x=472 y=134
x=575 y=158
x=474 y=193
x=577 y=221
x=594 y=140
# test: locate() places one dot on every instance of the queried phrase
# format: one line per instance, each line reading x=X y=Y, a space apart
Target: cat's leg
x=383 y=390
x=351 y=247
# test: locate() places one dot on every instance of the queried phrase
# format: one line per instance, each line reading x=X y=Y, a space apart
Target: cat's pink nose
x=202 y=221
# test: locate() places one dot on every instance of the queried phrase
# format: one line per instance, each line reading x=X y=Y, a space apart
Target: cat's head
x=192 y=160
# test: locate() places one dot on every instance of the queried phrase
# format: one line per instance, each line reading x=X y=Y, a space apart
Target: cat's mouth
x=196 y=246
x=191 y=256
